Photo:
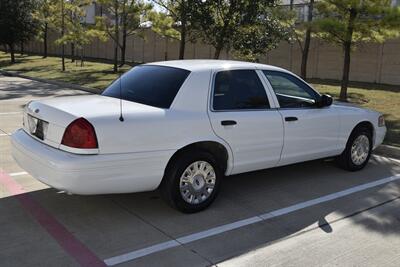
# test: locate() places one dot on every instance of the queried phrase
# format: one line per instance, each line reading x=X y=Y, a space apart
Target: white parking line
x=17 y=173
x=231 y=226
x=4 y=134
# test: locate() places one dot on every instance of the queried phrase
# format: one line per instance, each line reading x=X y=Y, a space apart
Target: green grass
x=383 y=98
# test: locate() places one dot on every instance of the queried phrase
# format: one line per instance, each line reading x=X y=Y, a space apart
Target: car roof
x=207 y=64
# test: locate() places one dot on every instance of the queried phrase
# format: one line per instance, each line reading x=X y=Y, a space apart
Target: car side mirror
x=324 y=101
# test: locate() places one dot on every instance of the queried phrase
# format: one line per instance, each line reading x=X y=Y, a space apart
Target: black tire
x=345 y=160
x=170 y=186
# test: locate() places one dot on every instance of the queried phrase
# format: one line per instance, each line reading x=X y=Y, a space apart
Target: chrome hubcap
x=197 y=182
x=360 y=149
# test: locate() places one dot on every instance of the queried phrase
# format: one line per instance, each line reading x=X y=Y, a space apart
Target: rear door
x=242 y=114
x=310 y=132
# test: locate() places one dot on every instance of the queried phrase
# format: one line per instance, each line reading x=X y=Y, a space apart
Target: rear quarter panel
x=156 y=129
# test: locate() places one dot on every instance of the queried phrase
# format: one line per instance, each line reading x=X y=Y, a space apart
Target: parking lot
x=308 y=214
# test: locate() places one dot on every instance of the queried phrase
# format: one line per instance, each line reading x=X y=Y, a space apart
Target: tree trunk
x=45 y=30
x=166 y=49
x=123 y=48
x=347 y=54
x=182 y=43
x=72 y=18
x=124 y=25
x=116 y=37
x=12 y=52
x=115 y=68
x=304 y=54
x=346 y=72
x=72 y=52
x=62 y=35
x=82 y=53
x=63 y=58
x=218 y=50
x=22 y=48
x=307 y=41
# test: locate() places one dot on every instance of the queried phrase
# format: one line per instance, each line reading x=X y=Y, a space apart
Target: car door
x=241 y=113
x=310 y=132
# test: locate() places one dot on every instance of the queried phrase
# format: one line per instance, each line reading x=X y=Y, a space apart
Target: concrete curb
x=388 y=151
x=58 y=83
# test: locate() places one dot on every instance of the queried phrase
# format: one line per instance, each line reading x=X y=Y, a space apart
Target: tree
x=43 y=15
x=349 y=23
x=132 y=15
x=302 y=34
x=62 y=34
x=77 y=32
x=122 y=16
x=175 y=22
x=74 y=20
x=58 y=9
x=306 y=48
x=17 y=23
x=249 y=28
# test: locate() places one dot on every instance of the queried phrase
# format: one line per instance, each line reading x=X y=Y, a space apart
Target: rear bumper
x=89 y=174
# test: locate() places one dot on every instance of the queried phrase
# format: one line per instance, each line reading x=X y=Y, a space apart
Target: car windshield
x=151 y=85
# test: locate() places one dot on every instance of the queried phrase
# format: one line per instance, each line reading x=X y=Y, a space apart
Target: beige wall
x=377 y=63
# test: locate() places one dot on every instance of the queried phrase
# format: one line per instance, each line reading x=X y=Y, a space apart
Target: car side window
x=239 y=90
x=290 y=91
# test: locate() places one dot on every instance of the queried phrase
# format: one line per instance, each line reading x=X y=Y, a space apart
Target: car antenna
x=121 y=118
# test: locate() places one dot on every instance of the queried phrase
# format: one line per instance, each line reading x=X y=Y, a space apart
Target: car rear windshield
x=151 y=85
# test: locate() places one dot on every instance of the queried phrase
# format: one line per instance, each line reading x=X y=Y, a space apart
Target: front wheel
x=358 y=150
x=192 y=181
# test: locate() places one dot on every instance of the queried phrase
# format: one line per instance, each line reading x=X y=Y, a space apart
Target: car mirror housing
x=324 y=101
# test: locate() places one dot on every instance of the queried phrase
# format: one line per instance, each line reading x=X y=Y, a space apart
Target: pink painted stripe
x=75 y=248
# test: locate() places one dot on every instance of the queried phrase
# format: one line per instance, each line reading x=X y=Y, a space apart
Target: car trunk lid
x=46 y=120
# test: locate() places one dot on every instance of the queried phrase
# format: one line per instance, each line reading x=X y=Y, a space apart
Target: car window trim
x=211 y=101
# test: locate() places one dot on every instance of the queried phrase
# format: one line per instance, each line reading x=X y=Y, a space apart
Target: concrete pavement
x=370 y=238
x=342 y=231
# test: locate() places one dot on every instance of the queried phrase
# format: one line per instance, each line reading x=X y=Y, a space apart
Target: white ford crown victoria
x=180 y=126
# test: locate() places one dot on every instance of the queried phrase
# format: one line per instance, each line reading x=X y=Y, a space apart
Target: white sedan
x=181 y=126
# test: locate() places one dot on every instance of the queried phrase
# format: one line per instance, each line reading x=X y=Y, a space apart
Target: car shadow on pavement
x=111 y=225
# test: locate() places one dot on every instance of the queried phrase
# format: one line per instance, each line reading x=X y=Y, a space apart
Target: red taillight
x=80 y=134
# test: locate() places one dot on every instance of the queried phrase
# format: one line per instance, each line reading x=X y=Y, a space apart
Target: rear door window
x=239 y=90
x=151 y=85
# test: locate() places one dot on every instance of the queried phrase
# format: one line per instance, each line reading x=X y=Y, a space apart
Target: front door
x=241 y=114
x=310 y=132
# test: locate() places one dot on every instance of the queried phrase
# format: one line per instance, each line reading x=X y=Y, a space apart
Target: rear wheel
x=358 y=150
x=191 y=181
